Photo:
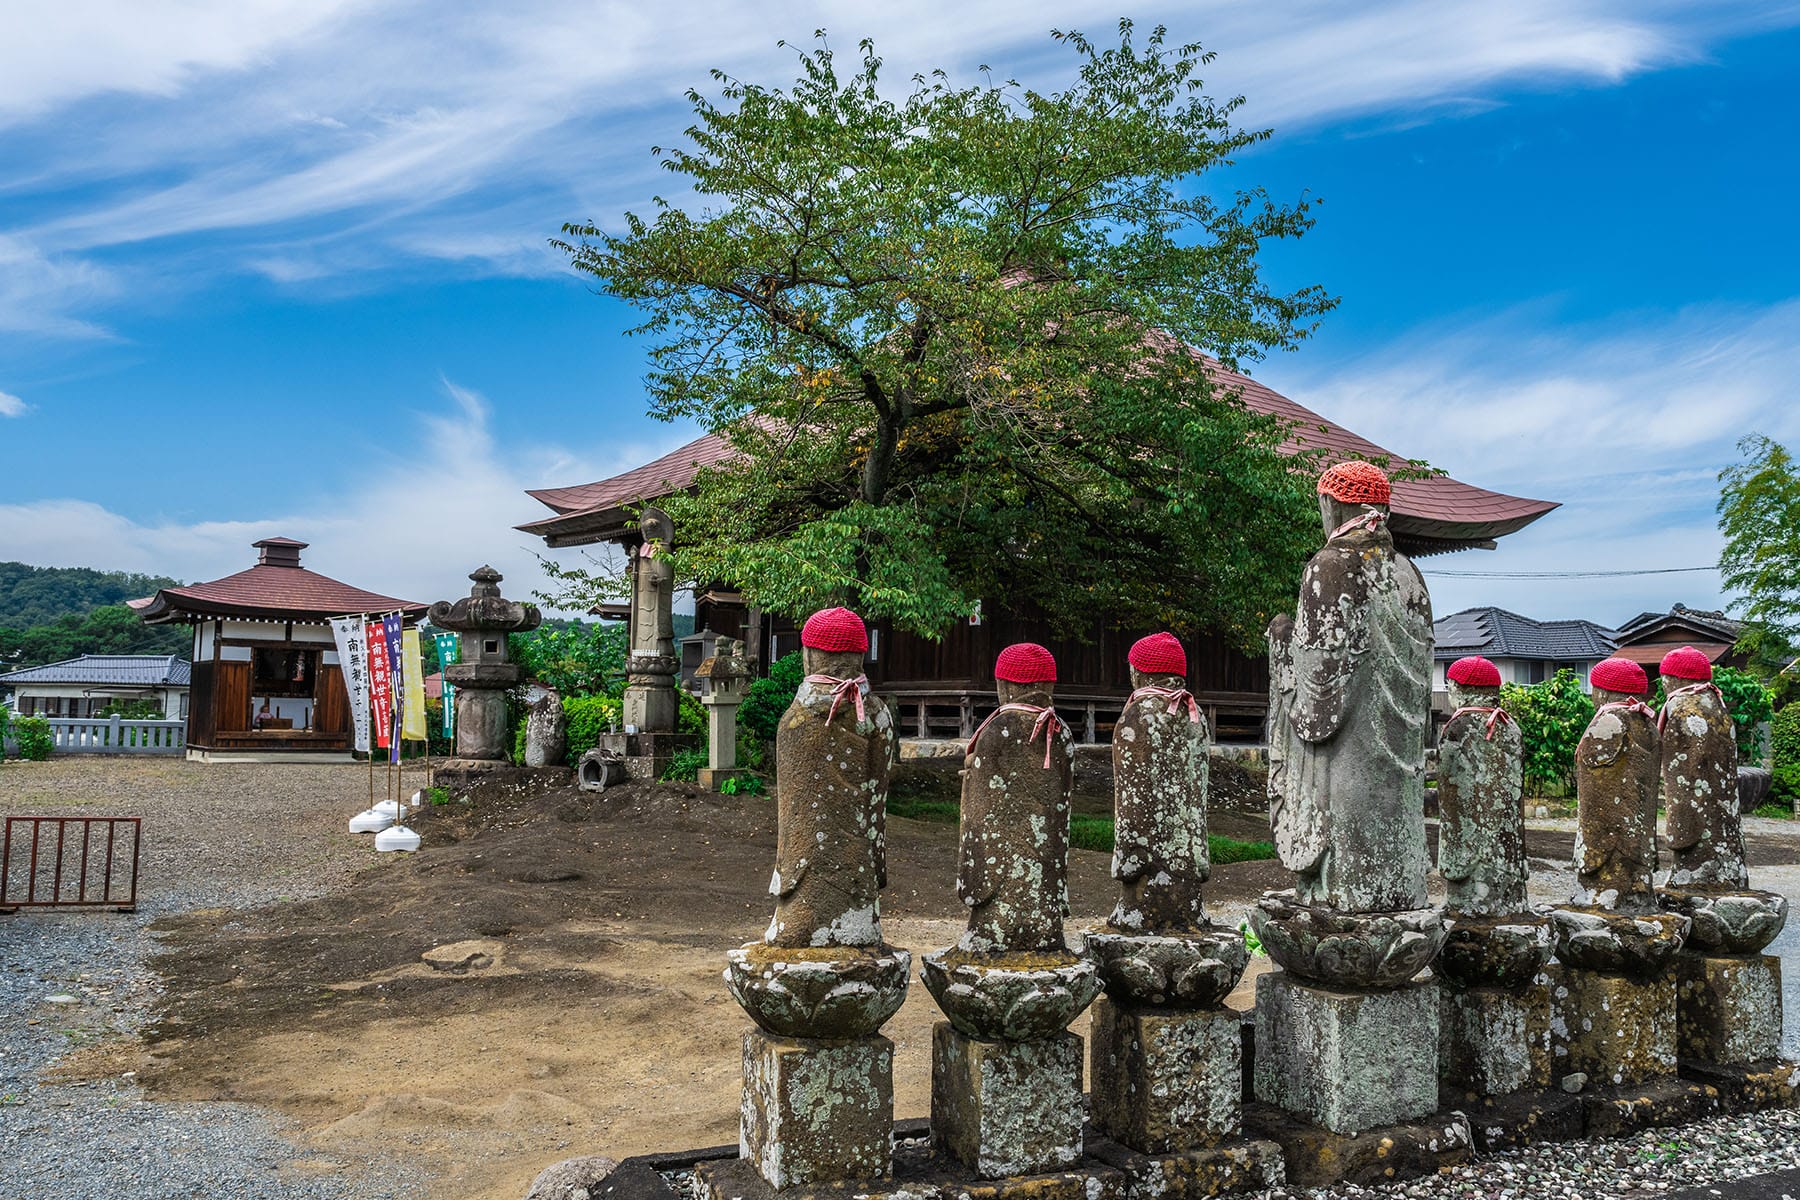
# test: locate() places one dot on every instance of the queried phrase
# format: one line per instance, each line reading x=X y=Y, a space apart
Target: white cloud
x=40 y=293
x=410 y=130
x=11 y=405
x=415 y=527
x=1626 y=423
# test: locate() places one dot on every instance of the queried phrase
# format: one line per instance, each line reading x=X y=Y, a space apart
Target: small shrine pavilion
x=266 y=680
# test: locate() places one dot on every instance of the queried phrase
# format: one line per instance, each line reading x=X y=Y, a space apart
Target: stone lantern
x=724 y=680
x=486 y=673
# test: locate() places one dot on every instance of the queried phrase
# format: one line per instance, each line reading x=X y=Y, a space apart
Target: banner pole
x=364 y=618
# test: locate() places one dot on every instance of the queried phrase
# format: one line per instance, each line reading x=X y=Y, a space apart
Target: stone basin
x=1505 y=952
x=1010 y=996
x=1346 y=949
x=1727 y=921
x=818 y=991
x=1189 y=970
x=1616 y=943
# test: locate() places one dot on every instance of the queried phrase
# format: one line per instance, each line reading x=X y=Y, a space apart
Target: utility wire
x=1562 y=574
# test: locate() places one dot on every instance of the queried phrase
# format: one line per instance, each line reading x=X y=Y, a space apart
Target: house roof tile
x=1497 y=633
x=118 y=670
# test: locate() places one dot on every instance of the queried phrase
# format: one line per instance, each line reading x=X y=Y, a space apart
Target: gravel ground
x=214 y=836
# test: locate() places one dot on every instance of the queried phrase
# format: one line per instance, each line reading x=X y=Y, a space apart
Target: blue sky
x=280 y=267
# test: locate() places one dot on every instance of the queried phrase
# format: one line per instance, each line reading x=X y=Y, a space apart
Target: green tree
x=1749 y=703
x=1759 y=517
x=113 y=629
x=575 y=659
x=959 y=337
x=1552 y=717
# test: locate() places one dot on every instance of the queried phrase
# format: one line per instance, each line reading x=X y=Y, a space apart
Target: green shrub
x=33 y=736
x=132 y=710
x=1784 y=740
x=684 y=766
x=1552 y=716
x=1750 y=704
x=1779 y=812
x=743 y=785
x=518 y=743
x=5 y=724
x=769 y=697
x=588 y=717
x=690 y=715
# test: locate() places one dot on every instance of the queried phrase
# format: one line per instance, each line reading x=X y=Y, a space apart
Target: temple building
x=266 y=681
x=943 y=688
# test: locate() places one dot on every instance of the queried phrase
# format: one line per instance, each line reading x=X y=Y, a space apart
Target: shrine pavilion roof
x=276 y=588
x=1428 y=516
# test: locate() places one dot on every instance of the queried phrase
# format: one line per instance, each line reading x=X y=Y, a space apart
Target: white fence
x=116 y=735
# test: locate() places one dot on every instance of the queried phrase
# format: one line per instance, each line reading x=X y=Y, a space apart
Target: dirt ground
x=600 y=1025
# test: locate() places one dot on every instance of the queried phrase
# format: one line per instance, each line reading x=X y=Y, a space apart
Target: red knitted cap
x=1158 y=654
x=1687 y=663
x=836 y=630
x=1356 y=482
x=1620 y=675
x=1474 y=671
x=1025 y=662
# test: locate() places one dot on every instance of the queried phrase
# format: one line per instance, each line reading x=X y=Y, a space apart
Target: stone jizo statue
x=1616 y=765
x=1699 y=777
x=1013 y=876
x=836 y=748
x=1481 y=832
x=1350 y=690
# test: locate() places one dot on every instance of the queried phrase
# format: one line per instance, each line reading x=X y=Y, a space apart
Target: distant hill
x=32 y=596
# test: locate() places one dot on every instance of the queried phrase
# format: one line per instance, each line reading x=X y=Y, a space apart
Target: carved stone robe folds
x=1616 y=764
x=831 y=795
x=1699 y=778
x=1350 y=692
x=1013 y=874
x=1481 y=835
x=1160 y=853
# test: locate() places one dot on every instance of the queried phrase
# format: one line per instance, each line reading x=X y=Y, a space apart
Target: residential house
x=81 y=687
x=1526 y=651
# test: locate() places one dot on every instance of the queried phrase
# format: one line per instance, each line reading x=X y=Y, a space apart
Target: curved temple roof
x=1429 y=516
x=276 y=588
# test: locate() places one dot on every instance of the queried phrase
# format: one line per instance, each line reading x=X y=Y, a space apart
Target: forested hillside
x=51 y=613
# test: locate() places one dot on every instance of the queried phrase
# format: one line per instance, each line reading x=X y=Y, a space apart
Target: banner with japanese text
x=449 y=651
x=392 y=626
x=381 y=684
x=412 y=721
x=353 y=661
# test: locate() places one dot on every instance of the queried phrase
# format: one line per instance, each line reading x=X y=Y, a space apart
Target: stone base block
x=1492 y=1042
x=1747 y=1087
x=1617 y=1030
x=1315 y=1157
x=1616 y=1112
x=1519 y=1119
x=1006 y=1108
x=1728 y=1009
x=1346 y=1061
x=1236 y=1166
x=919 y=1175
x=1165 y=1080
x=817 y=1112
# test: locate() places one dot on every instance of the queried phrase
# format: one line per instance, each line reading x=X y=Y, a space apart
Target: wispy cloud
x=1627 y=423
x=346 y=136
x=11 y=405
x=414 y=526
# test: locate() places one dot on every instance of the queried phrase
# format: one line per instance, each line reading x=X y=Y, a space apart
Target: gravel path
x=214 y=836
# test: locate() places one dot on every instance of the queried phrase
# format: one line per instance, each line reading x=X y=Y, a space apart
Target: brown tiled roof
x=269 y=591
x=1650 y=654
x=1435 y=513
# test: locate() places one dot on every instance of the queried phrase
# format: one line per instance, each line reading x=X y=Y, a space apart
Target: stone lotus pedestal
x=1613 y=997
x=1728 y=994
x=1493 y=1023
x=1006 y=1094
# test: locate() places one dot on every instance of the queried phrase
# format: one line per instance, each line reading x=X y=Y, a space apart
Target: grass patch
x=924 y=810
x=1087 y=831
x=1780 y=812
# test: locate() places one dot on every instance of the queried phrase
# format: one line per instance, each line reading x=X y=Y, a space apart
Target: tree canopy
x=1759 y=517
x=962 y=340
x=31 y=596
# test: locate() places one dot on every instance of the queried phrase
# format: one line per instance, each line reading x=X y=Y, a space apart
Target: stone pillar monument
x=486 y=673
x=818 y=1104
x=1615 y=1003
x=723 y=680
x=1005 y=1072
x=1494 y=1024
x=1345 y=1038
x=1729 y=993
x=649 y=738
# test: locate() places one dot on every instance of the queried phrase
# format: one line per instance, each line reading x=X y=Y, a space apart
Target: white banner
x=353 y=657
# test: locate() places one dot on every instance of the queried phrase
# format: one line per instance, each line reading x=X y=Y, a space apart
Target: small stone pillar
x=1613 y=995
x=486 y=672
x=1494 y=1024
x=1728 y=993
x=1005 y=1072
x=723 y=679
x=649 y=739
x=818 y=1102
x=1166 y=1057
x=1346 y=1037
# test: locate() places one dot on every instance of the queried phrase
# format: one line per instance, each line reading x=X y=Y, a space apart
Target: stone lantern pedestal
x=723 y=679
x=484 y=675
